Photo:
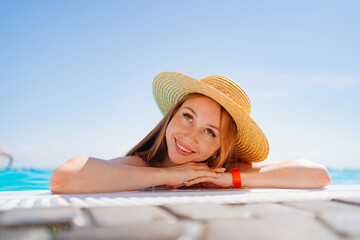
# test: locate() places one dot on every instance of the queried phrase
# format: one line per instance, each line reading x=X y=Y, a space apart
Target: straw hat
x=251 y=144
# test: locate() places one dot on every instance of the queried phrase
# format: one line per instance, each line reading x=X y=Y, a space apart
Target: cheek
x=209 y=148
x=174 y=126
x=171 y=129
x=168 y=133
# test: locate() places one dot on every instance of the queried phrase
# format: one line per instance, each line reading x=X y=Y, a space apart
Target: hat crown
x=230 y=89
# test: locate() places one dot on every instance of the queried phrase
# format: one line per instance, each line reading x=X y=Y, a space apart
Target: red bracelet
x=235 y=172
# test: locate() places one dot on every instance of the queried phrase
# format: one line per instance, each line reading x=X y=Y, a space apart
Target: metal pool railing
x=2 y=161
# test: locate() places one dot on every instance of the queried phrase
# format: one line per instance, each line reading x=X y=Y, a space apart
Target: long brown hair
x=153 y=147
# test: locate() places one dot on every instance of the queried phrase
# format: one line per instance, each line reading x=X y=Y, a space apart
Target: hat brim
x=251 y=144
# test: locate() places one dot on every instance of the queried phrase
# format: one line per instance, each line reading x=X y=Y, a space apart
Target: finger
x=220 y=169
x=198 y=180
x=212 y=169
x=210 y=174
x=202 y=172
x=203 y=166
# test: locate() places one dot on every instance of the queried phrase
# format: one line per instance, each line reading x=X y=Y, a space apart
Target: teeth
x=182 y=148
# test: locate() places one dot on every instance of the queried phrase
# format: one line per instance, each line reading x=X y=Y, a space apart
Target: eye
x=210 y=132
x=188 y=117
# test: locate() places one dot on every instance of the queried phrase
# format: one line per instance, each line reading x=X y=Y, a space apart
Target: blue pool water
x=24 y=179
x=37 y=179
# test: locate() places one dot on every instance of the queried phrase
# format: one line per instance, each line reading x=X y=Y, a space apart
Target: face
x=193 y=133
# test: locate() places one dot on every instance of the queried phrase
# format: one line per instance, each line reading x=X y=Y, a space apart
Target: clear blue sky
x=75 y=76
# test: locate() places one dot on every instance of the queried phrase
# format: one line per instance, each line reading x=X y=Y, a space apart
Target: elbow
x=63 y=178
x=320 y=177
x=59 y=182
x=317 y=176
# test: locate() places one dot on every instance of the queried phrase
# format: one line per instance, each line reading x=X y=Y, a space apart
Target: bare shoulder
x=130 y=160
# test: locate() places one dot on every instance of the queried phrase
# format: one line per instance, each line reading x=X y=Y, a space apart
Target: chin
x=177 y=160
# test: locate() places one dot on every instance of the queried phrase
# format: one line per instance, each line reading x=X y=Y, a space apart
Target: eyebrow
x=210 y=125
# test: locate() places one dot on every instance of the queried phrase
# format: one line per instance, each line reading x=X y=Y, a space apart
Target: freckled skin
x=193 y=131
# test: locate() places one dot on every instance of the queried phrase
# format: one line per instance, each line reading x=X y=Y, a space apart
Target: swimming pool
x=20 y=179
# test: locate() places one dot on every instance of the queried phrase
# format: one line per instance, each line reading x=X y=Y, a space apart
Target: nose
x=193 y=136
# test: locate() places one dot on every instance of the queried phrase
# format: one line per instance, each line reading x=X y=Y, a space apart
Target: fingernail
x=186 y=182
x=219 y=175
x=223 y=169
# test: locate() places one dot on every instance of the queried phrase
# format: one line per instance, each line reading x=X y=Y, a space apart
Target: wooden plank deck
x=332 y=213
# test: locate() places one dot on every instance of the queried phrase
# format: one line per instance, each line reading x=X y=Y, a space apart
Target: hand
x=187 y=172
x=223 y=181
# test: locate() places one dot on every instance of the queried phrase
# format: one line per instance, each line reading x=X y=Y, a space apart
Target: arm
x=298 y=173
x=92 y=175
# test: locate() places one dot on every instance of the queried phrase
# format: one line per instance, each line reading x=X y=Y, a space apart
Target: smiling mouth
x=182 y=148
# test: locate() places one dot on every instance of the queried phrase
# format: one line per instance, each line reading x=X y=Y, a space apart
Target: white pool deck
x=329 y=213
x=44 y=198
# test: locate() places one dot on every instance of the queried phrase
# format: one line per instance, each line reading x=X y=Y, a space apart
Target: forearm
x=287 y=174
x=92 y=175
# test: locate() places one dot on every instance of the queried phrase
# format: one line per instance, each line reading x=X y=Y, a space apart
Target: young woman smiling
x=206 y=139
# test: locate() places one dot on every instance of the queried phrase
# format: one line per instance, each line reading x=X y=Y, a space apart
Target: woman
x=206 y=138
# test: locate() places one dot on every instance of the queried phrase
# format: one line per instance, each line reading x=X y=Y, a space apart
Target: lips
x=183 y=150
